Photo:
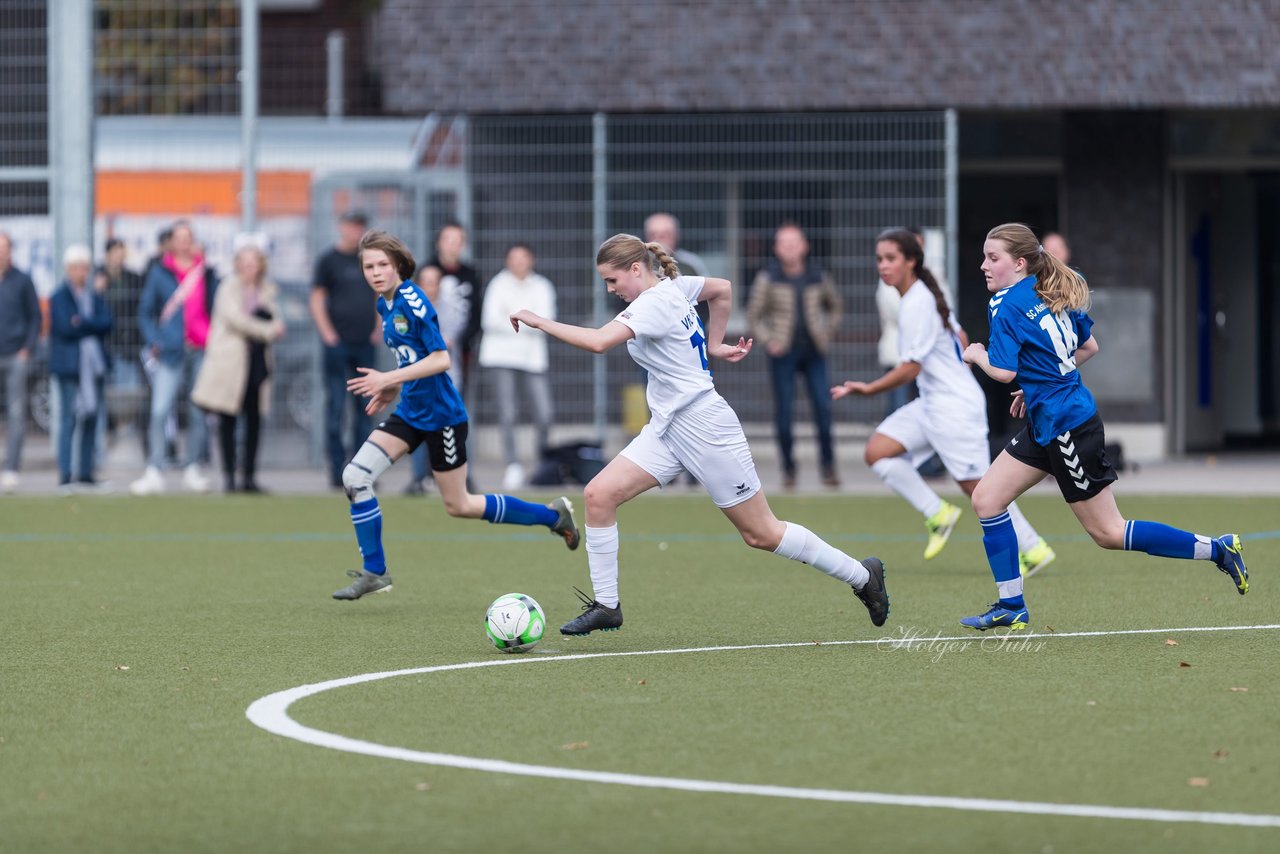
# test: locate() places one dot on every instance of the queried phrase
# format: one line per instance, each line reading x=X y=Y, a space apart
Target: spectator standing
x=1056 y=245
x=347 y=321
x=164 y=242
x=664 y=228
x=122 y=289
x=794 y=310
x=78 y=363
x=173 y=316
x=460 y=289
x=514 y=358
x=19 y=333
x=233 y=380
x=461 y=295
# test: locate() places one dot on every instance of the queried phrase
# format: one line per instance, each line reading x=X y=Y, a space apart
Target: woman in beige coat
x=233 y=379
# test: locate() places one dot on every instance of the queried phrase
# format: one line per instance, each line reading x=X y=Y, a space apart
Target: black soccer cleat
x=594 y=617
x=873 y=594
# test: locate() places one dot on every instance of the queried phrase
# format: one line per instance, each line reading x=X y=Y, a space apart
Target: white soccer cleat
x=9 y=481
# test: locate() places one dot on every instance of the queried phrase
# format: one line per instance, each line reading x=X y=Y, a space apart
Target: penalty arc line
x=271 y=713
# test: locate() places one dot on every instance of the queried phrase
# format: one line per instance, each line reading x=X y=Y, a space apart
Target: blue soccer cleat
x=1015 y=620
x=1232 y=562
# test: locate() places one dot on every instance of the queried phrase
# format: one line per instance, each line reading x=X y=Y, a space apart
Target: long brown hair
x=401 y=258
x=623 y=250
x=1061 y=288
x=909 y=245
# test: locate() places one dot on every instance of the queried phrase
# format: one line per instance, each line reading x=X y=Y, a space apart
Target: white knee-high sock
x=799 y=543
x=1027 y=536
x=602 y=561
x=902 y=477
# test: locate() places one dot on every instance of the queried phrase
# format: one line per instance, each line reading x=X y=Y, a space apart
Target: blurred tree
x=166 y=57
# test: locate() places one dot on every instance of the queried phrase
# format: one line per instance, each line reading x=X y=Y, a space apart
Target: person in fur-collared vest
x=793 y=311
x=233 y=380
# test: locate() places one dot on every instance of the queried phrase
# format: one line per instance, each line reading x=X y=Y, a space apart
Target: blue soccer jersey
x=1040 y=347
x=411 y=329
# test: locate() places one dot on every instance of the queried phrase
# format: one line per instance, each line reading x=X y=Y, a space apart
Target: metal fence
x=24 y=96
x=168 y=146
x=730 y=180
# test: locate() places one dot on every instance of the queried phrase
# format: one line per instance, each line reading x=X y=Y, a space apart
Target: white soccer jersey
x=947 y=386
x=670 y=345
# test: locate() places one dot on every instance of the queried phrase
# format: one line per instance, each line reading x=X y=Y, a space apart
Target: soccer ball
x=514 y=622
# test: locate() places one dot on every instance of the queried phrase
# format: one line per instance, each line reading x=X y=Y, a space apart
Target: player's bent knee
x=599 y=497
x=985 y=505
x=1109 y=537
x=456 y=506
x=761 y=540
x=368 y=464
x=357 y=482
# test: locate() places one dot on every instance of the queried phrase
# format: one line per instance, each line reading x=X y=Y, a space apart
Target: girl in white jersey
x=950 y=415
x=692 y=427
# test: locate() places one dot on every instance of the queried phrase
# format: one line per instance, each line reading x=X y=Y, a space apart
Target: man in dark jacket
x=79 y=323
x=19 y=332
x=342 y=306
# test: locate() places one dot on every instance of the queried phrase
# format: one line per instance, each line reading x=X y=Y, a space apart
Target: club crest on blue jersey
x=411 y=330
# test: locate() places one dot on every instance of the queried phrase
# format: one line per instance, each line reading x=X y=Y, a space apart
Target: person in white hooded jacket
x=511 y=358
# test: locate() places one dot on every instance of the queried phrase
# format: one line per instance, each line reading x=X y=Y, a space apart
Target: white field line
x=271 y=713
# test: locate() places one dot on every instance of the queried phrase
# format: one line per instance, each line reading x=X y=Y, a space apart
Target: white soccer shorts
x=961 y=444
x=706 y=439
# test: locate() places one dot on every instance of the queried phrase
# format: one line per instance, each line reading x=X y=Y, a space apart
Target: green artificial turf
x=137 y=632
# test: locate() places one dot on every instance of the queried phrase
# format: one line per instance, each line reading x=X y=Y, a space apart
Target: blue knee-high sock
x=509 y=510
x=1164 y=541
x=367 y=518
x=1001 y=542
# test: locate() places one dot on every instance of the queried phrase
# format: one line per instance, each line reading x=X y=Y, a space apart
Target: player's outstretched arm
x=902 y=374
x=599 y=340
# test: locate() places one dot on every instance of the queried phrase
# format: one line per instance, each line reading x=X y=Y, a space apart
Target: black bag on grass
x=577 y=462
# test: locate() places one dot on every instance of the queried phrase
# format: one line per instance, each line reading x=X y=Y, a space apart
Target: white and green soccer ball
x=514 y=622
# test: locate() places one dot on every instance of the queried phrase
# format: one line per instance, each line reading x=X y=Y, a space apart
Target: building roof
x=536 y=56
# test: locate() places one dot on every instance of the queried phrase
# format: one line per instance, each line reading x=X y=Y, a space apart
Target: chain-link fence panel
x=730 y=181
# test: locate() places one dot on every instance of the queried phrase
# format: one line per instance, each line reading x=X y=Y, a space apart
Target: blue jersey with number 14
x=412 y=330
x=1040 y=347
